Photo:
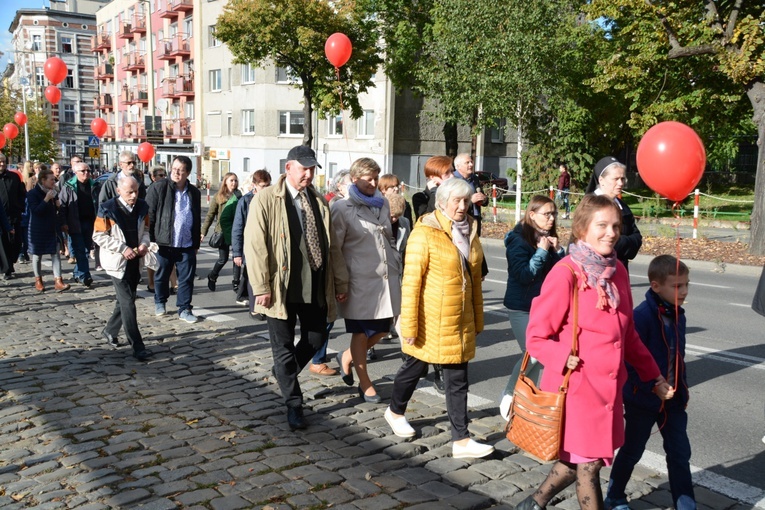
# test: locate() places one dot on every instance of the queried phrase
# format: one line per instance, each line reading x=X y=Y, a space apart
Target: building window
x=212 y=41
x=291 y=123
x=497 y=132
x=248 y=122
x=66 y=44
x=215 y=80
x=246 y=165
x=70 y=146
x=68 y=83
x=366 y=124
x=188 y=28
x=283 y=75
x=39 y=77
x=213 y=124
x=188 y=110
x=248 y=73
x=37 y=42
x=335 y=125
x=69 y=113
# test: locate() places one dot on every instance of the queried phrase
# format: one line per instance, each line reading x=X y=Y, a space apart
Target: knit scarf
x=599 y=269
x=360 y=198
x=461 y=237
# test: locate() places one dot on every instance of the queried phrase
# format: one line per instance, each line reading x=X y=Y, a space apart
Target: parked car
x=488 y=178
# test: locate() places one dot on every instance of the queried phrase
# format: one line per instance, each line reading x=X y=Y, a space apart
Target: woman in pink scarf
x=593 y=426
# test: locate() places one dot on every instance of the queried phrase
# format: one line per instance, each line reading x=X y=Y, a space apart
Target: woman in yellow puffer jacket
x=441 y=312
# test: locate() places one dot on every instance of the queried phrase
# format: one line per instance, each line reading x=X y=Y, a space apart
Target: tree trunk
x=307 y=112
x=473 y=135
x=756 y=93
x=450 y=138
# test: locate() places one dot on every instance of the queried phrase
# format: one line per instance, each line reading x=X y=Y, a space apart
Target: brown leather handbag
x=536 y=416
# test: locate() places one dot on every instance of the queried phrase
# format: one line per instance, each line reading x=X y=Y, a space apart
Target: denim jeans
x=81 y=244
x=519 y=321
x=321 y=355
x=185 y=262
x=637 y=431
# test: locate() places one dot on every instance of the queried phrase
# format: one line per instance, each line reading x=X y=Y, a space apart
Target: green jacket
x=267 y=250
x=225 y=214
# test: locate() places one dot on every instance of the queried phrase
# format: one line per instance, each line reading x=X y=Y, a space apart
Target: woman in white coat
x=361 y=224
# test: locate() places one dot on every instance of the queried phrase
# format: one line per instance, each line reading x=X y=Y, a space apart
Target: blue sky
x=8 y=10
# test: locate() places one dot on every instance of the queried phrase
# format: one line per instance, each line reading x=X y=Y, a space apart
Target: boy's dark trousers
x=637 y=431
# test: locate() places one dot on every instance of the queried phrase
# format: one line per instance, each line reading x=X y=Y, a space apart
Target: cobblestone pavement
x=83 y=425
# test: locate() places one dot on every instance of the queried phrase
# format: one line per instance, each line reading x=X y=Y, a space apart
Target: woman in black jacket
x=608 y=179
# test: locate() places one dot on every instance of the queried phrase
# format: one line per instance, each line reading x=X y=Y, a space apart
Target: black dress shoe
x=295 y=418
x=438 y=381
x=87 y=281
x=211 y=283
x=110 y=338
x=143 y=355
x=528 y=504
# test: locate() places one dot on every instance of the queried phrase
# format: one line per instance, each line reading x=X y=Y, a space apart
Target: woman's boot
x=39 y=286
x=59 y=285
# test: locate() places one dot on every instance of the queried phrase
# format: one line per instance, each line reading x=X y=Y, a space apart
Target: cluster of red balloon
x=338 y=49
x=56 y=71
x=671 y=159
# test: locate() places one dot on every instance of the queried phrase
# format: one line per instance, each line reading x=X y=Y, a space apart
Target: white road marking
x=212 y=316
x=501 y=282
x=712 y=481
x=693 y=283
x=745 y=305
x=729 y=357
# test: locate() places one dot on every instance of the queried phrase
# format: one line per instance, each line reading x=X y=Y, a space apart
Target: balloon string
x=342 y=107
x=676 y=216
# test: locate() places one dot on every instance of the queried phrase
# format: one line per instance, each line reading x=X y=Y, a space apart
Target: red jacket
x=593 y=424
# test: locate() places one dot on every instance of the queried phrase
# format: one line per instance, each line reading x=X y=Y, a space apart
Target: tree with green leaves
x=694 y=61
x=42 y=144
x=291 y=34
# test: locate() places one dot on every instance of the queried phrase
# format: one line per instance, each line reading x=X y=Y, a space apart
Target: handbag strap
x=574 y=334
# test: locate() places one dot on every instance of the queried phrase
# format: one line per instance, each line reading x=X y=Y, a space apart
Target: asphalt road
x=725 y=358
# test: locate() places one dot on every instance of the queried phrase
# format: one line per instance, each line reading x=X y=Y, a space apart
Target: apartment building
x=38 y=34
x=145 y=54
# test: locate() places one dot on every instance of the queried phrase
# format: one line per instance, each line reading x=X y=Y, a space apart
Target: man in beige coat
x=295 y=271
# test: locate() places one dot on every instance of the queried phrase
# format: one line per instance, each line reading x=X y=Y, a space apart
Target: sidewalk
x=86 y=426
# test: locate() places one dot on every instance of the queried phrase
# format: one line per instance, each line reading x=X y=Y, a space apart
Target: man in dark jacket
x=78 y=208
x=12 y=195
x=175 y=224
x=127 y=168
x=463 y=164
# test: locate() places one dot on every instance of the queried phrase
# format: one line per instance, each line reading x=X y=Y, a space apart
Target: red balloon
x=98 y=126
x=2 y=140
x=145 y=152
x=338 y=49
x=20 y=118
x=55 y=70
x=52 y=94
x=671 y=159
x=11 y=131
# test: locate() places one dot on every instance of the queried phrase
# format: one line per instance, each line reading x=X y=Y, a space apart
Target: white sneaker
x=400 y=425
x=763 y=439
x=504 y=406
x=472 y=450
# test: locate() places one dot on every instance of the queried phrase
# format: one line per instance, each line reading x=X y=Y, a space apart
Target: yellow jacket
x=442 y=305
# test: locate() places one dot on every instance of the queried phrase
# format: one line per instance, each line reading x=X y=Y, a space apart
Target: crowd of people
x=393 y=271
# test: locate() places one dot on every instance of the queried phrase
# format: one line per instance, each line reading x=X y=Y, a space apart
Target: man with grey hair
x=463 y=163
x=78 y=208
x=127 y=162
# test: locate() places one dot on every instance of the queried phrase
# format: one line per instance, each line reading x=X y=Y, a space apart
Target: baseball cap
x=303 y=155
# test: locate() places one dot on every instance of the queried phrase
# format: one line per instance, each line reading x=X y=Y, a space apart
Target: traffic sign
x=93 y=141
x=94 y=152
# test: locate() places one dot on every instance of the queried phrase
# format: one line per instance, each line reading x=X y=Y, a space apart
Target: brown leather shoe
x=322 y=369
x=59 y=285
x=39 y=286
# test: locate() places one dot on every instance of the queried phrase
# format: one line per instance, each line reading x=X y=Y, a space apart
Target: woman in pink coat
x=593 y=426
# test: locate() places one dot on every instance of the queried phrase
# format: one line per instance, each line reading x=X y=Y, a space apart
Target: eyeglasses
x=128 y=162
x=86 y=171
x=548 y=215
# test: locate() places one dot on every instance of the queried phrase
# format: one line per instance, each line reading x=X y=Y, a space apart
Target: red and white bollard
x=695 y=213
x=208 y=194
x=552 y=193
x=494 y=201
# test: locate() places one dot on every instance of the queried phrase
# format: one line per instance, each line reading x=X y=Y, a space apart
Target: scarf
x=599 y=270
x=360 y=198
x=461 y=237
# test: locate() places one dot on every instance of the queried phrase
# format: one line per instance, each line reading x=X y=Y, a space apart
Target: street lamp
x=25 y=82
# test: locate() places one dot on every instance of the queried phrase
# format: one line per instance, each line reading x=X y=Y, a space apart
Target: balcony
x=134 y=130
x=134 y=95
x=138 y=24
x=179 y=128
x=101 y=41
x=180 y=5
x=103 y=102
x=134 y=61
x=125 y=30
x=186 y=88
x=104 y=71
x=170 y=87
x=109 y=135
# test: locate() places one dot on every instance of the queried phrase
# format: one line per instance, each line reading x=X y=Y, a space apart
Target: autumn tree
x=291 y=34
x=42 y=144
x=703 y=57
